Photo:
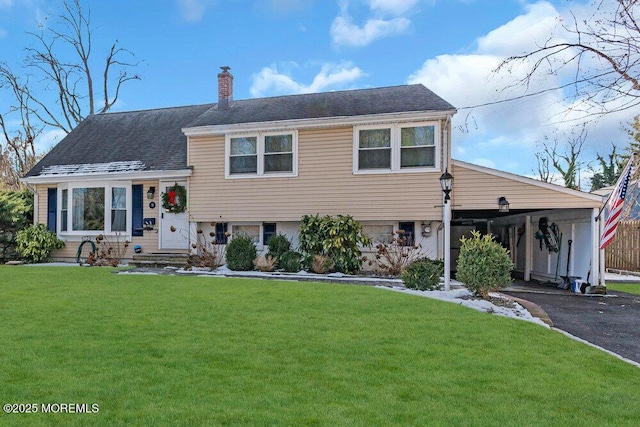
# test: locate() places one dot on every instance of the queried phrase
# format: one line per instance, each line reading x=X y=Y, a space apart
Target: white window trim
x=396 y=148
x=107 y=185
x=260 y=137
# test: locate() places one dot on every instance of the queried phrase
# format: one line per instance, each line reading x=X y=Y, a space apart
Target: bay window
x=94 y=209
x=262 y=154
x=395 y=147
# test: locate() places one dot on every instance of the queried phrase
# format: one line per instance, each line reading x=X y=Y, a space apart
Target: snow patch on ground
x=466 y=298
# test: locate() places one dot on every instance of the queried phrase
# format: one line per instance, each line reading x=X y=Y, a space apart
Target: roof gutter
x=315 y=123
x=138 y=175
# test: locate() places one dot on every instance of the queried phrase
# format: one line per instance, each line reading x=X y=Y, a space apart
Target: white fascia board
x=138 y=175
x=323 y=122
x=527 y=180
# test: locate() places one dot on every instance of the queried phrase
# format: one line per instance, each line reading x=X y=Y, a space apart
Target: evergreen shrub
x=483 y=265
x=241 y=252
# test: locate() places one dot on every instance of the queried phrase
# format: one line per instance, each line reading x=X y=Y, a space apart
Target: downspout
x=528 y=245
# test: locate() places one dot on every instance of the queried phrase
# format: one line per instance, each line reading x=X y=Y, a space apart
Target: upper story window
x=262 y=154
x=396 y=147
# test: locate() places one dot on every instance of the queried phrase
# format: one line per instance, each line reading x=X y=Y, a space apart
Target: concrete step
x=160 y=260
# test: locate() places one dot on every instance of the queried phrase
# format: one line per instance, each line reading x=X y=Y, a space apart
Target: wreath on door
x=174 y=200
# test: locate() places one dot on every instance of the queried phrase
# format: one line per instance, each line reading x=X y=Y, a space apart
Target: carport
x=534 y=208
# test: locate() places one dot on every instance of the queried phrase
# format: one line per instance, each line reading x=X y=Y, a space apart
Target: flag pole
x=631 y=159
x=615 y=203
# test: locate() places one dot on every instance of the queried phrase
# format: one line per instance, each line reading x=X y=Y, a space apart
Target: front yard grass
x=173 y=350
x=630 y=288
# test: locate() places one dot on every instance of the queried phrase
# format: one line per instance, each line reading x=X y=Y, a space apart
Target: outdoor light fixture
x=503 y=204
x=151 y=192
x=446 y=181
x=426 y=229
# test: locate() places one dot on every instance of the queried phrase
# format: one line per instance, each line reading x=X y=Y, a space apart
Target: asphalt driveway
x=611 y=322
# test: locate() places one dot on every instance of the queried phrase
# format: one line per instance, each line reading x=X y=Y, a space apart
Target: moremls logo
x=70 y=408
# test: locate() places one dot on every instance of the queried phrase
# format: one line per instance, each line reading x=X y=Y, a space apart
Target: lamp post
x=446 y=181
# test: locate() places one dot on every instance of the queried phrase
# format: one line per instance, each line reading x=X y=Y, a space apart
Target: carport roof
x=478 y=188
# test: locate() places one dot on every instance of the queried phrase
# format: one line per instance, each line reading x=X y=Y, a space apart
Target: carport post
x=528 y=248
x=447 y=245
x=597 y=254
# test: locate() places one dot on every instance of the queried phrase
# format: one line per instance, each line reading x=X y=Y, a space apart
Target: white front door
x=174 y=227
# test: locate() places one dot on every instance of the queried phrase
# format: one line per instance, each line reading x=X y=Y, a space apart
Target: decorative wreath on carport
x=175 y=199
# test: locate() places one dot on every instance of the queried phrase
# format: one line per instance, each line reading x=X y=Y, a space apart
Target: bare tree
x=566 y=161
x=60 y=88
x=18 y=153
x=544 y=171
x=602 y=53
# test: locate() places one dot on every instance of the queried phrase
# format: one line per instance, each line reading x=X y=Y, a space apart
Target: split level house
x=256 y=166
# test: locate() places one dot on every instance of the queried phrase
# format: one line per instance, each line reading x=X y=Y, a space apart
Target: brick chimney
x=225 y=89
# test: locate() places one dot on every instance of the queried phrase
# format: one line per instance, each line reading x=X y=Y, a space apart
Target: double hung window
x=395 y=147
x=262 y=154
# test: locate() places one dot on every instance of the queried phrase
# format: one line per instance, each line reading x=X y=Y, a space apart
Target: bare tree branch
x=58 y=89
x=565 y=161
x=603 y=50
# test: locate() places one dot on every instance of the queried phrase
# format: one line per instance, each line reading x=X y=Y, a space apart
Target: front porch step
x=159 y=260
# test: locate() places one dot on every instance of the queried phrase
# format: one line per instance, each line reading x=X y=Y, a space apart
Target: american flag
x=614 y=205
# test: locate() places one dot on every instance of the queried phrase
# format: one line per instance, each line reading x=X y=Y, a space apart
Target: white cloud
x=508 y=134
x=522 y=33
x=345 y=33
x=6 y=4
x=387 y=19
x=192 y=10
x=269 y=81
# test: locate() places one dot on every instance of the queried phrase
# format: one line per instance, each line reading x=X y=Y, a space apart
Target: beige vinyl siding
x=325 y=185
x=474 y=189
x=149 y=241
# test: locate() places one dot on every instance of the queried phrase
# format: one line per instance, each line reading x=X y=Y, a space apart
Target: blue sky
x=277 y=47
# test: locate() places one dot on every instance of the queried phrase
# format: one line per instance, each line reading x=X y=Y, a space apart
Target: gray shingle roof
x=154 y=138
x=350 y=103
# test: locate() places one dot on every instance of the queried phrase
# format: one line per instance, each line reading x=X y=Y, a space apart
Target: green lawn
x=191 y=351
x=630 y=288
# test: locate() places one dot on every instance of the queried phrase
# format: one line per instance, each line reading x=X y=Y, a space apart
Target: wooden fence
x=624 y=251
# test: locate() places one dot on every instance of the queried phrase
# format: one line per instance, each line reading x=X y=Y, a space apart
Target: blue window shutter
x=221 y=233
x=52 y=208
x=137 y=210
x=268 y=231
